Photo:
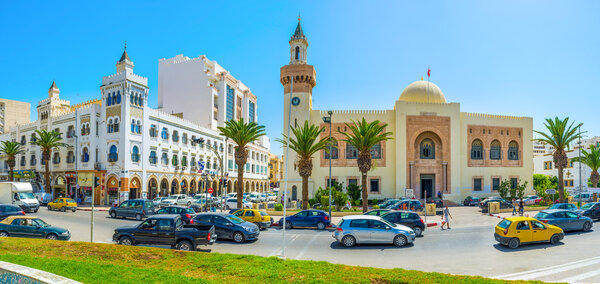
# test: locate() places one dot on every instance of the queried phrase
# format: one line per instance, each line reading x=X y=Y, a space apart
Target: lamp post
x=327 y=119
x=580 y=179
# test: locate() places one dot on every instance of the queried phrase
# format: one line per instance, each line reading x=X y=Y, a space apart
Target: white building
x=13 y=113
x=135 y=151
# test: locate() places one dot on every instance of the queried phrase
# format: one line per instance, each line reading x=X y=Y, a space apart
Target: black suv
x=504 y=204
x=134 y=208
x=10 y=210
x=591 y=210
x=187 y=214
x=406 y=218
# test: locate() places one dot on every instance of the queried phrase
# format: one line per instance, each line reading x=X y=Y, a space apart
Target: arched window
x=297 y=53
x=427 y=149
x=477 y=150
x=376 y=151
x=32 y=161
x=110 y=128
x=184 y=160
x=152 y=157
x=112 y=154
x=70 y=157
x=513 y=150
x=175 y=136
x=85 y=156
x=133 y=126
x=56 y=159
x=334 y=151
x=116 y=125
x=141 y=101
x=131 y=98
x=495 y=150
x=164 y=159
x=137 y=100
x=114 y=98
x=174 y=160
x=208 y=164
x=138 y=127
x=135 y=154
x=164 y=134
x=118 y=97
x=23 y=161
x=108 y=100
x=351 y=151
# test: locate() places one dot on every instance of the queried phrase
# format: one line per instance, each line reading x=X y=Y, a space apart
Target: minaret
x=125 y=64
x=53 y=92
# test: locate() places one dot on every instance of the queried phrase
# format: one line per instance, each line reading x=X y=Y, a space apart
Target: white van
x=19 y=193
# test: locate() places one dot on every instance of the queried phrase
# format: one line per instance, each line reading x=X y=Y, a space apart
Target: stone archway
x=428 y=171
x=135 y=186
x=152 y=188
x=112 y=190
x=193 y=186
x=174 y=186
x=184 y=187
x=234 y=188
x=215 y=187
x=247 y=188
x=229 y=189
x=164 y=187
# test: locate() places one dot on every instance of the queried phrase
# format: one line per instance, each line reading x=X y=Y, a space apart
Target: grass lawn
x=106 y=263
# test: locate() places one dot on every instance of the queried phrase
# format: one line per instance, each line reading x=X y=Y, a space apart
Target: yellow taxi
x=63 y=204
x=258 y=217
x=515 y=231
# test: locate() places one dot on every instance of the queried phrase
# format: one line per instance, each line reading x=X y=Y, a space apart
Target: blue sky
x=524 y=58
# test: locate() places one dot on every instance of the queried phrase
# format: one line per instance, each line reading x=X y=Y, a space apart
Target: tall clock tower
x=298 y=79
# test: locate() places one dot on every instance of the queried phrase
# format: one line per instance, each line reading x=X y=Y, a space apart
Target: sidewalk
x=88 y=207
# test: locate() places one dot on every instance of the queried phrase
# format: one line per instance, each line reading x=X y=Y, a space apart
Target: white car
x=232 y=204
x=255 y=197
x=177 y=199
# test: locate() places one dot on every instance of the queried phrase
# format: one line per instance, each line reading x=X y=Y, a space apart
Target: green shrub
x=376 y=207
x=357 y=202
x=278 y=207
x=324 y=200
x=312 y=201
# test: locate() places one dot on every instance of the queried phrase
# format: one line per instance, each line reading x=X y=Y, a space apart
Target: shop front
x=85 y=180
x=134 y=188
x=71 y=185
x=60 y=186
x=112 y=188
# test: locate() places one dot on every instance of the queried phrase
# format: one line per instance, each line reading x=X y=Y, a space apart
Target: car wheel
x=35 y=211
x=513 y=243
x=554 y=239
x=185 y=245
x=321 y=226
x=348 y=241
x=288 y=225
x=238 y=237
x=587 y=226
x=138 y=217
x=227 y=207
x=49 y=208
x=258 y=225
x=52 y=237
x=63 y=209
x=74 y=210
x=418 y=231
x=126 y=241
x=113 y=214
x=3 y=234
x=400 y=240
x=189 y=204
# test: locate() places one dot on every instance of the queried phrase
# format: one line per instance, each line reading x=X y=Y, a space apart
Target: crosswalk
x=581 y=271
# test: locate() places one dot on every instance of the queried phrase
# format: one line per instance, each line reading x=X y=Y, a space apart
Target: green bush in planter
x=278 y=207
x=376 y=207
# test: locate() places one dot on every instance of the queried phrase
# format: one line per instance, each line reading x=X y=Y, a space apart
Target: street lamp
x=327 y=119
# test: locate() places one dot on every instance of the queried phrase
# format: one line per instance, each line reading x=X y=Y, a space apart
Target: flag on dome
x=428 y=72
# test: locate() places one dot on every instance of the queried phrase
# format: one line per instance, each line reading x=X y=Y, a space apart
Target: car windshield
x=555 y=206
x=387 y=223
x=26 y=195
x=541 y=215
x=40 y=222
x=190 y=211
x=263 y=213
x=172 y=197
x=504 y=224
x=587 y=206
x=234 y=219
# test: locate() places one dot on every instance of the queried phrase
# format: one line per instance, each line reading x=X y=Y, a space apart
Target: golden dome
x=418 y=92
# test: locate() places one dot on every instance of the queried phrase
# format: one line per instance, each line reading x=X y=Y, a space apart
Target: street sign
x=210 y=190
x=201 y=165
x=550 y=191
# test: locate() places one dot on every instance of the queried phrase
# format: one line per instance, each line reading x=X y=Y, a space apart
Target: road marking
x=582 y=276
x=532 y=274
x=301 y=254
x=277 y=251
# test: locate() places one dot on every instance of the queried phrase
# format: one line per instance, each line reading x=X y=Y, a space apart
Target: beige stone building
x=13 y=113
x=434 y=147
x=275 y=170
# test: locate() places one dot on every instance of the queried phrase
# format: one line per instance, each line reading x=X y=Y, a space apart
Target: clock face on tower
x=295 y=101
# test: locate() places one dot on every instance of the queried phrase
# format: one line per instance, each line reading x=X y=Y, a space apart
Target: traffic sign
x=210 y=190
x=201 y=165
x=550 y=191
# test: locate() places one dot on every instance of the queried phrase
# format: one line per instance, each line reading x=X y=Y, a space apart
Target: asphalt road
x=470 y=249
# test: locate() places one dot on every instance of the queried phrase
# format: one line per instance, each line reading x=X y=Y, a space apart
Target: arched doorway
x=247 y=189
x=174 y=187
x=184 y=187
x=112 y=188
x=215 y=187
x=428 y=168
x=193 y=187
x=253 y=186
x=152 y=188
x=294 y=192
x=164 y=187
x=134 y=188
x=234 y=188
x=60 y=187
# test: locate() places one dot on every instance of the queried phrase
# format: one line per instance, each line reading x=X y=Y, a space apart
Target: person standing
x=514 y=202
x=521 y=207
x=447 y=214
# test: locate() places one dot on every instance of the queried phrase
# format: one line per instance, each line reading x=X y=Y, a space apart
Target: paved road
x=465 y=249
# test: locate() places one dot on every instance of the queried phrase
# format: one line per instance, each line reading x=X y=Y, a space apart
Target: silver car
x=365 y=229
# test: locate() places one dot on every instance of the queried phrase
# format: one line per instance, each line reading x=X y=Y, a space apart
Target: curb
x=90 y=209
x=433 y=224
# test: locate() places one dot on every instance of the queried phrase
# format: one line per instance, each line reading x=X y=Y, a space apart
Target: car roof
x=550 y=211
x=213 y=213
x=176 y=206
x=9 y=219
x=401 y=211
x=164 y=216
x=10 y=205
x=354 y=217
x=513 y=219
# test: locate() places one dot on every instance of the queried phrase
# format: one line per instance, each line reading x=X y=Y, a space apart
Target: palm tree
x=305 y=144
x=11 y=149
x=592 y=160
x=48 y=141
x=241 y=133
x=363 y=136
x=560 y=135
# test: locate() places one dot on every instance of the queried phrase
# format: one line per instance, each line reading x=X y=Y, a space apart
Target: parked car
x=583 y=197
x=471 y=201
x=10 y=210
x=484 y=202
x=157 y=201
x=165 y=229
x=135 y=208
x=406 y=218
x=177 y=199
x=514 y=231
x=437 y=201
x=564 y=206
x=31 y=227
x=63 y=204
x=504 y=204
x=591 y=210
x=307 y=219
x=228 y=226
x=231 y=203
x=388 y=202
x=377 y=212
x=187 y=214
x=366 y=229
x=258 y=217
x=411 y=204
x=565 y=219
x=532 y=199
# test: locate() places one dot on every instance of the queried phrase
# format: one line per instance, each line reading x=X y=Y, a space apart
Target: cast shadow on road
x=526 y=247
x=336 y=245
x=230 y=242
x=577 y=233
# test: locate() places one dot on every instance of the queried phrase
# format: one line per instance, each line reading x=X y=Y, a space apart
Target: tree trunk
x=11 y=168
x=365 y=194
x=595 y=178
x=560 y=162
x=305 y=192
x=561 y=185
x=241 y=157
x=47 y=176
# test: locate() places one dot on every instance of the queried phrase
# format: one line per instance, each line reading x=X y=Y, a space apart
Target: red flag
x=428 y=72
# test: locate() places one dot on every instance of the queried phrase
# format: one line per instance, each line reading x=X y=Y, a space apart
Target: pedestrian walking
x=521 y=207
x=514 y=202
x=439 y=194
x=446 y=213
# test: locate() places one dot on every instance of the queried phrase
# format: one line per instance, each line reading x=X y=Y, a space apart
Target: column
x=411 y=178
x=445 y=177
